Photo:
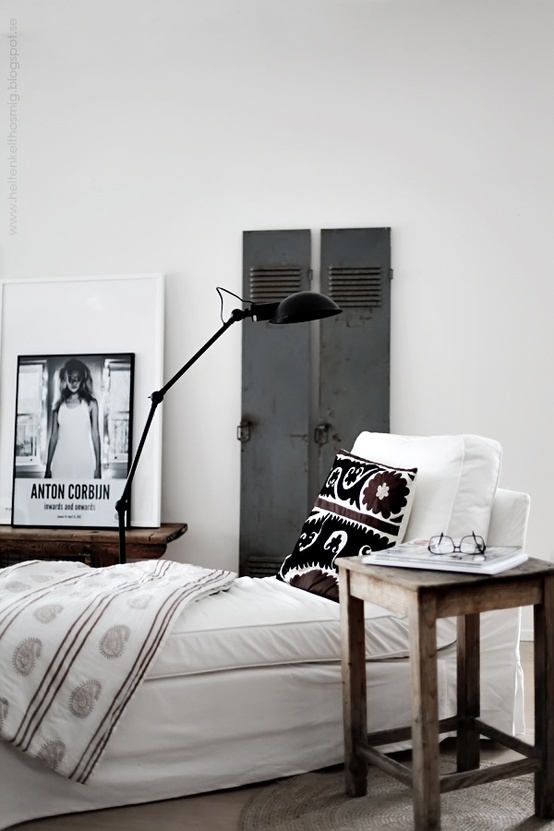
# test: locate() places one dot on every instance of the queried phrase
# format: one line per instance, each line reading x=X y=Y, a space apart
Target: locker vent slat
x=262 y=566
x=356 y=286
x=270 y=285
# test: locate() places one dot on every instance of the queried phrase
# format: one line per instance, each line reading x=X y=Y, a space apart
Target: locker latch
x=321 y=434
x=243 y=431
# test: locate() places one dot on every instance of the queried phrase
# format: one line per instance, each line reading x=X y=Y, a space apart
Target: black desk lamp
x=296 y=308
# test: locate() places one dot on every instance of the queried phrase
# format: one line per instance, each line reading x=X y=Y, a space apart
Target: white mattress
x=264 y=622
x=248 y=687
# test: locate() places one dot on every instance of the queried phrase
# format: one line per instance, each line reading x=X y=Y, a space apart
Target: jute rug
x=317 y=802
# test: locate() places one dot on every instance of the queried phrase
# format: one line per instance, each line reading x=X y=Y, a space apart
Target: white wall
x=151 y=133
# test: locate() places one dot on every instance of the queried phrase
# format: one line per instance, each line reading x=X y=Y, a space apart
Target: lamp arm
x=297 y=308
x=122 y=505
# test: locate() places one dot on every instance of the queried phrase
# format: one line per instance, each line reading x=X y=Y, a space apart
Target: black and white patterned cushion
x=363 y=506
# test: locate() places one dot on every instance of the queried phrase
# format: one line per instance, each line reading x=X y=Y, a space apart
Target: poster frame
x=89 y=314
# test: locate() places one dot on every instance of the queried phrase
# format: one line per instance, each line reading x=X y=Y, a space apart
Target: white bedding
x=75 y=642
x=261 y=623
x=248 y=687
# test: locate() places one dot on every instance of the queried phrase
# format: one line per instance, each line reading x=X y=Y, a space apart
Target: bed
x=247 y=685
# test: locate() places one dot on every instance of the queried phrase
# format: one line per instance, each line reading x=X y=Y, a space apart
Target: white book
x=415 y=554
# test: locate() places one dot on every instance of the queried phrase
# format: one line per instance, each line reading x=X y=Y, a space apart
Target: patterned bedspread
x=75 y=642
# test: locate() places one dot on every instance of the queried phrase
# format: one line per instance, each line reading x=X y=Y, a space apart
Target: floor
x=221 y=811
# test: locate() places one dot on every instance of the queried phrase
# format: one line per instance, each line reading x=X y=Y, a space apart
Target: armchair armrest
x=509 y=516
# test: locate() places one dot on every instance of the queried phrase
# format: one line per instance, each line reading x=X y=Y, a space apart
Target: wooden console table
x=94 y=546
x=425 y=596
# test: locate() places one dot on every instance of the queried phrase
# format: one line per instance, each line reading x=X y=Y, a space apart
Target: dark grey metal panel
x=354 y=347
x=275 y=403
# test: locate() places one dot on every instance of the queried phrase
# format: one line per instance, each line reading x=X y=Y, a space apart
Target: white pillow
x=456 y=480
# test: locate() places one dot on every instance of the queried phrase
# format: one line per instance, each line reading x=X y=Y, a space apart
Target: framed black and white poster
x=107 y=314
x=73 y=438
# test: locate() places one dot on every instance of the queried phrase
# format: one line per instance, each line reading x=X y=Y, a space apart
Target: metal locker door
x=354 y=382
x=275 y=404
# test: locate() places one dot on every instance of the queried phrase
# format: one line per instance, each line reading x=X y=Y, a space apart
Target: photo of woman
x=74 y=445
x=73 y=438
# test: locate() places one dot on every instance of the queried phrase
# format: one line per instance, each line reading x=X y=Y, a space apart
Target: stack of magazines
x=415 y=554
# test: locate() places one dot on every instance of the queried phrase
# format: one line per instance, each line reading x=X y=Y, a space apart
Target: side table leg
x=353 y=685
x=468 y=675
x=544 y=700
x=425 y=714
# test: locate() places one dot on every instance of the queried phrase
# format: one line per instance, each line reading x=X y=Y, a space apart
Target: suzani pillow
x=363 y=506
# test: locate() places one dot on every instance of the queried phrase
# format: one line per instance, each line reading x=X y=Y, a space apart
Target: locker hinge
x=321 y=434
x=244 y=431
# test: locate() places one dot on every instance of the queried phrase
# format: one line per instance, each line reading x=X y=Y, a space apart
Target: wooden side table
x=94 y=547
x=425 y=596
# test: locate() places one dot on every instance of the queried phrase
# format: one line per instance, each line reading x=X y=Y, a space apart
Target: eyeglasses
x=470 y=544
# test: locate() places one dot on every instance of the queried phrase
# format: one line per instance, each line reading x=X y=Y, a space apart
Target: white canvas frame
x=87 y=314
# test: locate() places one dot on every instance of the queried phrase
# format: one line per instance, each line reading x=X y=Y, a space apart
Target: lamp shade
x=305 y=305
